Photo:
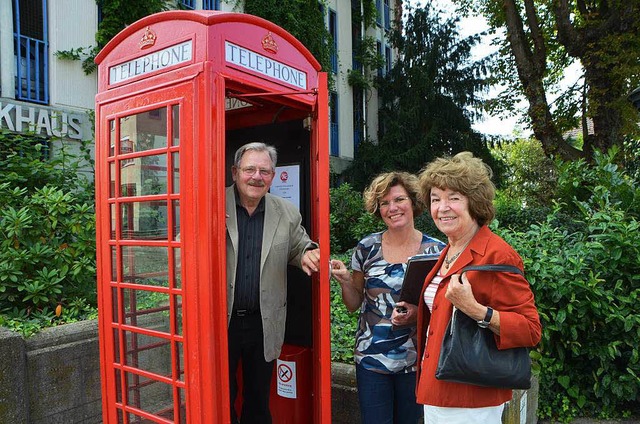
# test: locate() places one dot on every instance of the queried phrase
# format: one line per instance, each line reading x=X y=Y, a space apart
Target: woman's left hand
x=404 y=314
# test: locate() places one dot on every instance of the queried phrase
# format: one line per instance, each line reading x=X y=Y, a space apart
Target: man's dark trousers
x=246 y=346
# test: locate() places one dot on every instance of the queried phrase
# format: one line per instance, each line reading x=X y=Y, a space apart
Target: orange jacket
x=507 y=293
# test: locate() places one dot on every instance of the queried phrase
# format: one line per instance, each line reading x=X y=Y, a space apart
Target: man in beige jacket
x=264 y=235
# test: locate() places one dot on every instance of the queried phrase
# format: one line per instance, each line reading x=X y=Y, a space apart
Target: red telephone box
x=178 y=93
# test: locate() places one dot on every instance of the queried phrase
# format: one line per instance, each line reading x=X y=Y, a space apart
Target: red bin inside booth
x=292 y=386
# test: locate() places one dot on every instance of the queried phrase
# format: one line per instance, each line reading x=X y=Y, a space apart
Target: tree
x=530 y=177
x=542 y=37
x=427 y=99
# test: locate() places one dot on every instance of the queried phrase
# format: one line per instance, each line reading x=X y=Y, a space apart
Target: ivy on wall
x=304 y=19
x=364 y=50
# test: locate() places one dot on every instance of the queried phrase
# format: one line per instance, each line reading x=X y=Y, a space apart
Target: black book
x=418 y=267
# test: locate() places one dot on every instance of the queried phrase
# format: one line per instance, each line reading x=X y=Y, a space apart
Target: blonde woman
x=386 y=357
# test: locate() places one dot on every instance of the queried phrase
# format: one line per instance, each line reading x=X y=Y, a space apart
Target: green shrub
x=343 y=323
x=587 y=287
x=513 y=214
x=349 y=221
x=47 y=237
x=530 y=176
x=579 y=182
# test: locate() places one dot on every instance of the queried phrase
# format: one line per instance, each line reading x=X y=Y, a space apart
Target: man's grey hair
x=258 y=147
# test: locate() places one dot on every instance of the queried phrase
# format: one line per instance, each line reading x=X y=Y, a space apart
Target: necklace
x=448 y=262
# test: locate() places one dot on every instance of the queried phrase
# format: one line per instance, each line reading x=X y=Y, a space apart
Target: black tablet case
x=418 y=267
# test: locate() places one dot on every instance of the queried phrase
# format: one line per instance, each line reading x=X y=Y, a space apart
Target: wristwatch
x=487 y=319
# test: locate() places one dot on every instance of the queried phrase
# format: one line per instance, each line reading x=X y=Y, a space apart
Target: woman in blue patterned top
x=386 y=357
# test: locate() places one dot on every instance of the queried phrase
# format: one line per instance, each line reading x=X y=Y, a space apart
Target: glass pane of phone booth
x=144 y=176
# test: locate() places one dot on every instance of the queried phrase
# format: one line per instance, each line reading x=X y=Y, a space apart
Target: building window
x=211 y=4
x=334 y=136
x=387 y=17
x=379 y=52
x=387 y=59
x=358 y=118
x=356 y=42
x=31 y=49
x=333 y=30
x=379 y=12
x=188 y=4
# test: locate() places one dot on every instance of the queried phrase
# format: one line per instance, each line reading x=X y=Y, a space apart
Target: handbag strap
x=493 y=267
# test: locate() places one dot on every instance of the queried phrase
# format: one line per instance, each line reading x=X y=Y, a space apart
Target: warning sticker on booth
x=286 y=372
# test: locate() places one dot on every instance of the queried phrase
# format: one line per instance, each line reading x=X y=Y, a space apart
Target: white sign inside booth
x=286 y=183
x=286 y=373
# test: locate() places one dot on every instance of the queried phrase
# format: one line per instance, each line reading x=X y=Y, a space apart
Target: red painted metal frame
x=200 y=87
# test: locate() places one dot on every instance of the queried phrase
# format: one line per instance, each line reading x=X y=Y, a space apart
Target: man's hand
x=311 y=261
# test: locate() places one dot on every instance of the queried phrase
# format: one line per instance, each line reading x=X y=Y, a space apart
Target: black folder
x=418 y=267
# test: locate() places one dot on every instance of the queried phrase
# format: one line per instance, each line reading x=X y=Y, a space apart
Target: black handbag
x=469 y=354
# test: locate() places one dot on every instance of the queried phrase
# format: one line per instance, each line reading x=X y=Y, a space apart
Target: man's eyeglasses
x=250 y=171
x=398 y=201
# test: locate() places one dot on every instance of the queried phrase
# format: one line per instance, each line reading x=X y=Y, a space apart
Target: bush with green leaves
x=343 y=323
x=579 y=182
x=348 y=219
x=587 y=288
x=47 y=236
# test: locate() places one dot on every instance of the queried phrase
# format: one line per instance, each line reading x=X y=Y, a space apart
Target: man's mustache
x=256 y=183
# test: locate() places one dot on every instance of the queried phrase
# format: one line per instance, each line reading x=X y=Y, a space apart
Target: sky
x=490 y=125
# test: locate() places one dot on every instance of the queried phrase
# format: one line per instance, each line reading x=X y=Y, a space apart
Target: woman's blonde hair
x=465 y=174
x=381 y=185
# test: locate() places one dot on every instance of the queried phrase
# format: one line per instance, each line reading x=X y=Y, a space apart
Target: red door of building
x=178 y=92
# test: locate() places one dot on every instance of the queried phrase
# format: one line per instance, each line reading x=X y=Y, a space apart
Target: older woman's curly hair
x=381 y=185
x=464 y=174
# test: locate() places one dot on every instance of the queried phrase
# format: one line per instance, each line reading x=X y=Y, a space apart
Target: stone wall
x=52 y=377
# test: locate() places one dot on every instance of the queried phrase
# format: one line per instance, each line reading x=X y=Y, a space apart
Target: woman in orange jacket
x=460 y=195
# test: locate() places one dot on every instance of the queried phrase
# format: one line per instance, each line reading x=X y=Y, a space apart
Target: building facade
x=52 y=97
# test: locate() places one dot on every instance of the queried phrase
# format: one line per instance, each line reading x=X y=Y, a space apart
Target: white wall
x=72 y=24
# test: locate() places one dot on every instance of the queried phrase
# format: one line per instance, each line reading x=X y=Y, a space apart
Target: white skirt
x=443 y=415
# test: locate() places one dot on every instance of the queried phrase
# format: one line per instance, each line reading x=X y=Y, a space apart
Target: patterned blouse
x=379 y=347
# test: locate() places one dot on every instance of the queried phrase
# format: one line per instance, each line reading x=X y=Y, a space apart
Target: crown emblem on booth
x=148 y=38
x=269 y=44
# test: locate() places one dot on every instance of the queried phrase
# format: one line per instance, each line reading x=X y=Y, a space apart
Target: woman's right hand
x=340 y=272
x=352 y=284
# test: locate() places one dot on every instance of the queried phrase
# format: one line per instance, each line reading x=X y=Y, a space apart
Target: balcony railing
x=211 y=4
x=188 y=4
x=32 y=69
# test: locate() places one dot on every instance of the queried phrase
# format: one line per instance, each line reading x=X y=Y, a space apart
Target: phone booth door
x=144 y=294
